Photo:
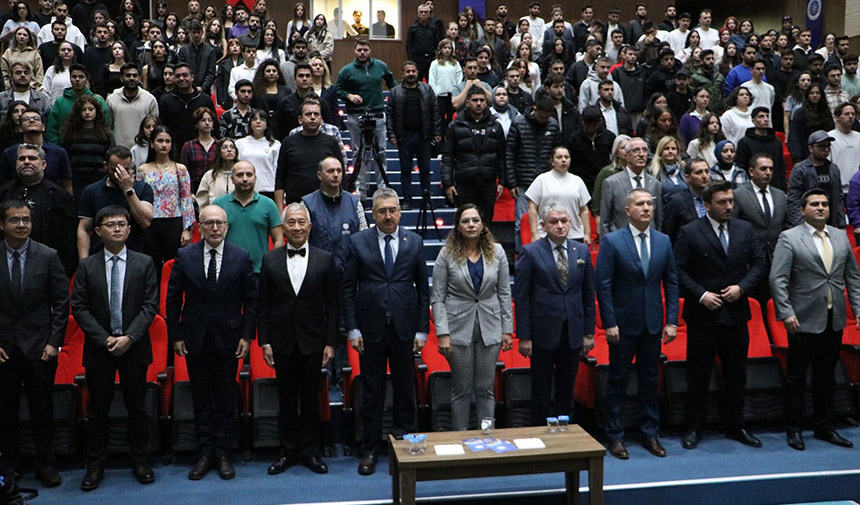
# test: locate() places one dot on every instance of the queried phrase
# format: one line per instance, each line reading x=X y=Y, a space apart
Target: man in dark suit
x=812 y=267
x=34 y=311
x=633 y=264
x=719 y=262
x=386 y=300
x=114 y=301
x=687 y=205
x=554 y=301
x=211 y=318
x=298 y=327
x=763 y=206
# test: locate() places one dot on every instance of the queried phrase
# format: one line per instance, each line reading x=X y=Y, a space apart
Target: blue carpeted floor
x=720 y=471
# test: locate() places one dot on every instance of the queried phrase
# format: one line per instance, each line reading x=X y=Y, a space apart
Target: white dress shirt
x=768 y=196
x=297 y=266
x=633 y=176
x=219 y=256
x=817 y=240
x=637 y=240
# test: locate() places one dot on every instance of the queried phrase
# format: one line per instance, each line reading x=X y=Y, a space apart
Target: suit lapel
x=630 y=242
x=29 y=265
x=710 y=235
x=4 y=274
x=372 y=242
x=100 y=279
x=807 y=240
x=549 y=259
x=403 y=245
x=285 y=270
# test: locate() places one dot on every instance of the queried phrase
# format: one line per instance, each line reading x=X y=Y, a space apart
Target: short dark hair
x=836 y=110
x=831 y=67
x=758 y=156
x=810 y=192
x=111 y=211
x=299 y=41
x=361 y=41
x=850 y=58
x=80 y=68
x=11 y=204
x=757 y=110
x=119 y=151
x=688 y=166
x=553 y=79
x=475 y=89
x=127 y=66
x=544 y=104
x=715 y=187
x=242 y=83
x=186 y=65
x=591 y=115
x=408 y=63
x=302 y=66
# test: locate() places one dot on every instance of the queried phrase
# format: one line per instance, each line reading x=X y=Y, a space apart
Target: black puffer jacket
x=473 y=149
x=528 y=149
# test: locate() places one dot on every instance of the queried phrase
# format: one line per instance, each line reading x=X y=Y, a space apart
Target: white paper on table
x=448 y=449
x=529 y=443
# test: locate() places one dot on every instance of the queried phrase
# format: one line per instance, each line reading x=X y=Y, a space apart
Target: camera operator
x=358 y=84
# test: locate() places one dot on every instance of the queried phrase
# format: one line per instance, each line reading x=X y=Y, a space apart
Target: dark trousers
x=553 y=365
x=413 y=145
x=161 y=241
x=100 y=385
x=423 y=63
x=646 y=348
x=397 y=354
x=37 y=378
x=730 y=343
x=446 y=109
x=481 y=192
x=298 y=377
x=215 y=396
x=821 y=350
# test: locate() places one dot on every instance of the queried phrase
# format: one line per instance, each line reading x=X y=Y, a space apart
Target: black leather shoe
x=225 y=468
x=367 y=464
x=833 y=437
x=48 y=476
x=744 y=437
x=691 y=439
x=93 y=479
x=653 y=445
x=617 y=449
x=143 y=472
x=795 y=441
x=315 y=464
x=281 y=465
x=201 y=468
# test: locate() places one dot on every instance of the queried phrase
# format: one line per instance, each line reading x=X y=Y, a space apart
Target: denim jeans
x=355 y=139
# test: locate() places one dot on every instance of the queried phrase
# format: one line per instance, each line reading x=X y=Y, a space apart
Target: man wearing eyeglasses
x=211 y=319
x=34 y=310
x=58 y=168
x=114 y=300
x=51 y=207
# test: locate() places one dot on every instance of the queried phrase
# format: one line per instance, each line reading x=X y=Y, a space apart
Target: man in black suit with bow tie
x=298 y=328
x=211 y=316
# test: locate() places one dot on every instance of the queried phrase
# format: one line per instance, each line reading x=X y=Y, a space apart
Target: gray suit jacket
x=456 y=304
x=799 y=282
x=748 y=207
x=614 y=198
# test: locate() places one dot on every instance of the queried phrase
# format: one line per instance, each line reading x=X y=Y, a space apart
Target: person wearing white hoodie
x=737 y=119
x=73 y=33
x=589 y=92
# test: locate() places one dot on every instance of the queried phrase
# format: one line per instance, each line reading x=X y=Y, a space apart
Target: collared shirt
x=632 y=175
x=380 y=237
x=234 y=125
x=816 y=239
x=297 y=266
x=197 y=159
x=637 y=240
x=609 y=116
x=768 y=194
x=555 y=252
x=716 y=227
x=121 y=264
x=219 y=257
x=22 y=254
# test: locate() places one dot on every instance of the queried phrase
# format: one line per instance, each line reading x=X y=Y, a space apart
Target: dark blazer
x=307 y=320
x=38 y=316
x=92 y=311
x=803 y=177
x=233 y=306
x=542 y=305
x=748 y=207
x=704 y=266
x=680 y=210
x=367 y=289
x=627 y=298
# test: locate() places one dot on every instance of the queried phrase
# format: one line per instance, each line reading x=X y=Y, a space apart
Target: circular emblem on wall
x=813 y=9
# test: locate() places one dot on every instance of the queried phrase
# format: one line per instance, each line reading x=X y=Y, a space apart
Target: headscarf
x=718 y=153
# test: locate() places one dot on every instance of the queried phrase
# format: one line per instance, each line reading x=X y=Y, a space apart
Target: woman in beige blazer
x=472 y=312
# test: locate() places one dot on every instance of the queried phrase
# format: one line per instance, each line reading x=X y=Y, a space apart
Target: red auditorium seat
x=162 y=293
x=764 y=390
x=525 y=230
x=786 y=155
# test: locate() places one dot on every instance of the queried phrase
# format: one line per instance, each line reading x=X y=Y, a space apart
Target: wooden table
x=569 y=452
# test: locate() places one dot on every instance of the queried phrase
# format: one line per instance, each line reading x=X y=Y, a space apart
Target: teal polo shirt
x=250 y=225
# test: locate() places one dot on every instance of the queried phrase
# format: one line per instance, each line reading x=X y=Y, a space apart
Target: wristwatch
x=129 y=192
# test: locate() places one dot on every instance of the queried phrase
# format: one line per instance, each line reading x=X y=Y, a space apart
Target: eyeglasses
x=19 y=220
x=211 y=223
x=115 y=224
x=31 y=119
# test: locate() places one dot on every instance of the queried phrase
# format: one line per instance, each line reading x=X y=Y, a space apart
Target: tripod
x=362 y=160
x=426 y=206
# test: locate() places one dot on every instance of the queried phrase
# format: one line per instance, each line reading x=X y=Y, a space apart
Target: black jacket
x=632 y=84
x=588 y=156
x=421 y=41
x=431 y=120
x=202 y=59
x=473 y=150
x=175 y=110
x=528 y=149
x=752 y=144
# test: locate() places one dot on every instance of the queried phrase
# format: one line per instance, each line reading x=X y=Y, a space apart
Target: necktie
x=300 y=252
x=389 y=255
x=115 y=301
x=724 y=241
x=827 y=259
x=765 y=204
x=563 y=267
x=212 y=273
x=643 y=252
x=638 y=181
x=16 y=273
x=700 y=206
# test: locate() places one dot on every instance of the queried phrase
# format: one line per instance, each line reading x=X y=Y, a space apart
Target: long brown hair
x=457 y=247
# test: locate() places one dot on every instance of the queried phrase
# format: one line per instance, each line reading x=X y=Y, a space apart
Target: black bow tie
x=293 y=252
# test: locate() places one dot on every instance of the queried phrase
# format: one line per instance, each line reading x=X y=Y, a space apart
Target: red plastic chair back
x=778 y=335
x=676 y=350
x=759 y=345
x=70 y=358
x=259 y=368
x=162 y=295
x=525 y=230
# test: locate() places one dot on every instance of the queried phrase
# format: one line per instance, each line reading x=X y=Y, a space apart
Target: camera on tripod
x=367 y=123
x=368 y=147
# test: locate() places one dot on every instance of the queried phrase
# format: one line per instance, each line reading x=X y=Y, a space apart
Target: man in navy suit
x=687 y=205
x=386 y=301
x=719 y=262
x=211 y=318
x=554 y=299
x=634 y=262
